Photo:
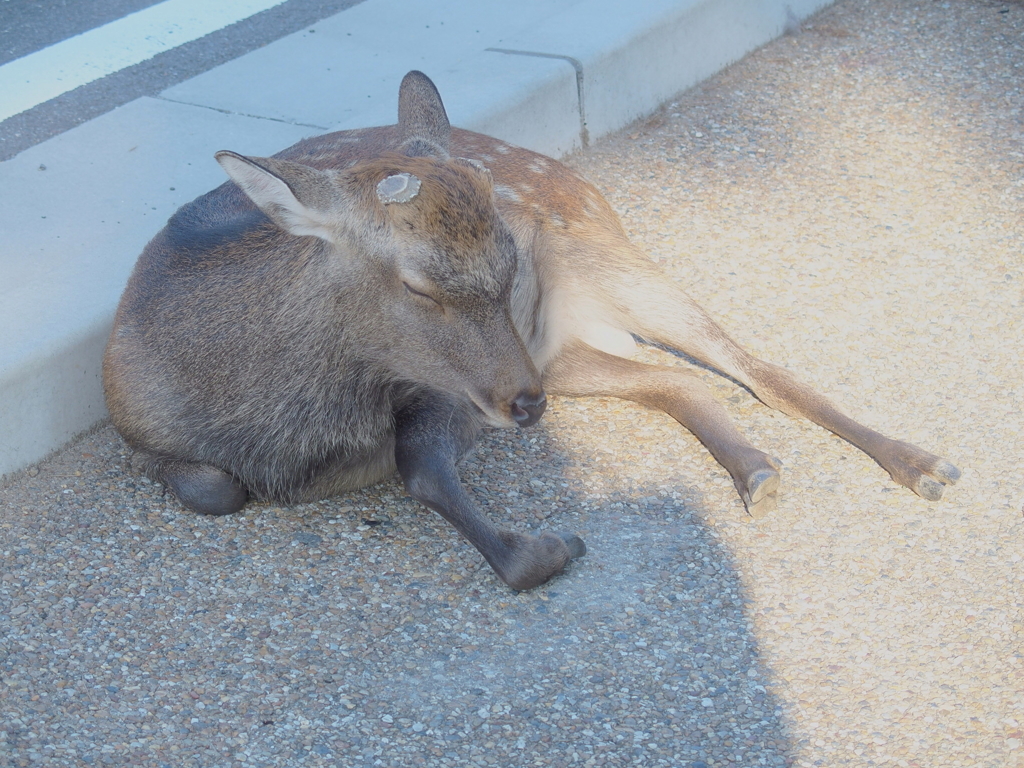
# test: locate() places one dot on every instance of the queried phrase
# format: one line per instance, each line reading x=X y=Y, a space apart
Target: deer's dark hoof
x=535 y=559
x=575 y=544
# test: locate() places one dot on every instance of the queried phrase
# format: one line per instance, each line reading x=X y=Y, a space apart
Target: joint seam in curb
x=576 y=65
x=243 y=114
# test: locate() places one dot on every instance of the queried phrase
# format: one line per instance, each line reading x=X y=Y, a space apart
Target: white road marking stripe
x=64 y=66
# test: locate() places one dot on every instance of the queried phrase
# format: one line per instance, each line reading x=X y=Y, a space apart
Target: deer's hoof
x=928 y=489
x=538 y=558
x=759 y=492
x=924 y=473
x=575 y=544
x=932 y=485
x=945 y=472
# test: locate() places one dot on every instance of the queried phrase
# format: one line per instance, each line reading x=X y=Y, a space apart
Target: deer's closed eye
x=420 y=294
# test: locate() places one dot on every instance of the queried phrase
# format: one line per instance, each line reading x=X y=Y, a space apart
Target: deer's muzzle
x=528 y=407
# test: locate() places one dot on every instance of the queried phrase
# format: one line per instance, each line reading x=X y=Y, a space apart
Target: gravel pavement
x=849 y=202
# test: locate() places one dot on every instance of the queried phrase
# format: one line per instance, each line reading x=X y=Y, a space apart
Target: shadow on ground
x=363 y=630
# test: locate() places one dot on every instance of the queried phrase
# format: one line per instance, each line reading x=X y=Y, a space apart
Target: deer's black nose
x=528 y=407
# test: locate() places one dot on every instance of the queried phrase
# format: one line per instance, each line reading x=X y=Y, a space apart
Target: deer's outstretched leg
x=661 y=313
x=431 y=436
x=581 y=370
x=922 y=472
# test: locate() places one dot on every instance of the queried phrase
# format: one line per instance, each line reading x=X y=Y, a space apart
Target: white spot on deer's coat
x=507 y=193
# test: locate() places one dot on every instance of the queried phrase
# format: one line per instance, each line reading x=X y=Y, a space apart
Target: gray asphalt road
x=28 y=26
x=849 y=202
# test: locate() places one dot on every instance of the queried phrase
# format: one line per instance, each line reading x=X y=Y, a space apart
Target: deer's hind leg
x=663 y=314
x=199 y=487
x=580 y=370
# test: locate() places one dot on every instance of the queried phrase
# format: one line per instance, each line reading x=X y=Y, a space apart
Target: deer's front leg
x=581 y=370
x=430 y=437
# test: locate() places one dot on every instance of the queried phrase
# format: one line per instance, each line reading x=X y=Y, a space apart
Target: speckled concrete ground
x=849 y=202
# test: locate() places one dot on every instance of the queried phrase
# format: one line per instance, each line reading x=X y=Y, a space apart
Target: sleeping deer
x=369 y=300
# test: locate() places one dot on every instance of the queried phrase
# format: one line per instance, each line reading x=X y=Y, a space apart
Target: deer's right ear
x=422 y=122
x=297 y=198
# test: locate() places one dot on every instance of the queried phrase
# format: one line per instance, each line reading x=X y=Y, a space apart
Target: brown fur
x=308 y=336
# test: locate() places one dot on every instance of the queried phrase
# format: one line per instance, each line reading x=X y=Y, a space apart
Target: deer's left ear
x=299 y=199
x=422 y=122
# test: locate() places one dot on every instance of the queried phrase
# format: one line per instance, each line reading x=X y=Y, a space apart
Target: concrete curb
x=550 y=75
